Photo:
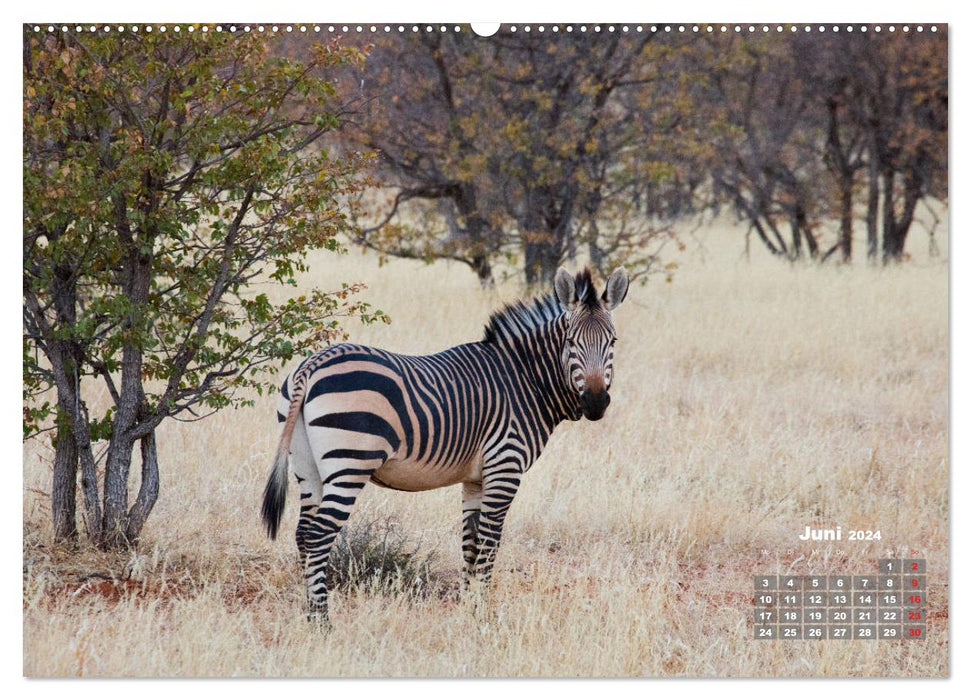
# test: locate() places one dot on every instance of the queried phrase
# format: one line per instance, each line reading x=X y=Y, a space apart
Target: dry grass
x=750 y=400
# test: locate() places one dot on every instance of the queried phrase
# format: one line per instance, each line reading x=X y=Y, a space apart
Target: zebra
x=477 y=414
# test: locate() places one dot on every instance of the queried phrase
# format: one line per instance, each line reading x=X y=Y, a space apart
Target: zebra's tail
x=275 y=493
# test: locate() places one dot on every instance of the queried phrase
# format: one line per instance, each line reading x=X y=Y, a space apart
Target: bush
x=375 y=556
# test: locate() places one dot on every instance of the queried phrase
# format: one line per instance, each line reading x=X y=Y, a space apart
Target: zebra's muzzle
x=594 y=403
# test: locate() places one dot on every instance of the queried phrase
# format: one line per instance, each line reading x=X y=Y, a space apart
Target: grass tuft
x=376 y=557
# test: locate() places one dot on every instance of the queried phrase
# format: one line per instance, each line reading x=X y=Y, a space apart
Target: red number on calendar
x=913 y=632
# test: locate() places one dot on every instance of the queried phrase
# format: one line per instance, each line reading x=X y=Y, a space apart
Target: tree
x=764 y=161
x=828 y=63
x=885 y=100
x=796 y=118
x=521 y=143
x=904 y=100
x=165 y=175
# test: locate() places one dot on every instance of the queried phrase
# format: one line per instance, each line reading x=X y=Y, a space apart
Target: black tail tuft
x=275 y=496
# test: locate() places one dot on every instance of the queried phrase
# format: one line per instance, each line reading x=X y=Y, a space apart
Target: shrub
x=377 y=557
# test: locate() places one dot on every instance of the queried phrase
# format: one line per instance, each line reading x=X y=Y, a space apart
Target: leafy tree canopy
x=165 y=176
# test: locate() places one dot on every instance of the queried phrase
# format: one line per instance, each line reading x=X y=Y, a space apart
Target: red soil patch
x=236 y=596
x=114 y=591
x=242 y=594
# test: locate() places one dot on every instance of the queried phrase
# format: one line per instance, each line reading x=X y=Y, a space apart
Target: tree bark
x=889 y=219
x=147 y=492
x=598 y=257
x=800 y=232
x=62 y=353
x=64 y=490
x=68 y=397
x=136 y=283
x=540 y=263
x=896 y=228
x=540 y=250
x=846 y=219
x=873 y=200
x=66 y=356
x=839 y=163
x=481 y=235
x=796 y=240
x=483 y=271
x=115 y=522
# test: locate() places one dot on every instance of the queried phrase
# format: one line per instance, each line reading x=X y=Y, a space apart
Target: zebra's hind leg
x=309 y=487
x=340 y=491
x=471 y=506
x=308 y=506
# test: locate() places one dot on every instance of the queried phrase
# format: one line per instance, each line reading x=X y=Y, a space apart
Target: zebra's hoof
x=318 y=619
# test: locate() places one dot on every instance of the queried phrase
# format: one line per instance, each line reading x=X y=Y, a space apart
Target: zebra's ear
x=565 y=287
x=616 y=289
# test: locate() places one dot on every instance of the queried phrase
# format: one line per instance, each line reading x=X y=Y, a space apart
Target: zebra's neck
x=535 y=358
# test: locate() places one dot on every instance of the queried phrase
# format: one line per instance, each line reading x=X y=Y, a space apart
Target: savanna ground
x=751 y=399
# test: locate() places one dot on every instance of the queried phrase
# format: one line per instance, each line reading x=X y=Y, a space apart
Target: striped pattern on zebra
x=477 y=414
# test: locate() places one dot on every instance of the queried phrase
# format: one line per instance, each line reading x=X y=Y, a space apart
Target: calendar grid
x=889 y=605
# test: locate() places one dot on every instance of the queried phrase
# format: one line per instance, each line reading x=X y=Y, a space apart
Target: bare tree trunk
x=64 y=490
x=136 y=285
x=912 y=193
x=779 y=247
x=846 y=219
x=889 y=218
x=541 y=261
x=783 y=249
x=799 y=224
x=895 y=232
x=74 y=411
x=147 y=492
x=873 y=201
x=115 y=519
x=68 y=397
x=598 y=256
x=483 y=270
x=839 y=164
x=541 y=257
x=483 y=237
x=63 y=355
x=796 y=241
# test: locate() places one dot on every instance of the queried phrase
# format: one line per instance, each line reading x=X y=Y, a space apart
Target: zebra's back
x=418 y=422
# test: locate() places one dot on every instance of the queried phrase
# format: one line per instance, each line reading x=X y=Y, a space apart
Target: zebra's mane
x=518 y=318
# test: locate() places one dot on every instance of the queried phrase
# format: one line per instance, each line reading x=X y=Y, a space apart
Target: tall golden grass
x=751 y=399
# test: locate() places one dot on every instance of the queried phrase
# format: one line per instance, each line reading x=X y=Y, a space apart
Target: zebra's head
x=588 y=353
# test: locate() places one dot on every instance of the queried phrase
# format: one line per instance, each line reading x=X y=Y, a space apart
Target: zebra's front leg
x=471 y=506
x=340 y=491
x=498 y=489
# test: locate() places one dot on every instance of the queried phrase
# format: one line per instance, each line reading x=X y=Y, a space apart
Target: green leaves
x=163 y=176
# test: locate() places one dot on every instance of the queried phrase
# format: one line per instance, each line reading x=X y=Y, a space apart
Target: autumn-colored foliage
x=529 y=149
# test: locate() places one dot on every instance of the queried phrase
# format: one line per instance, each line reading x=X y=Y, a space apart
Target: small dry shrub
x=377 y=557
